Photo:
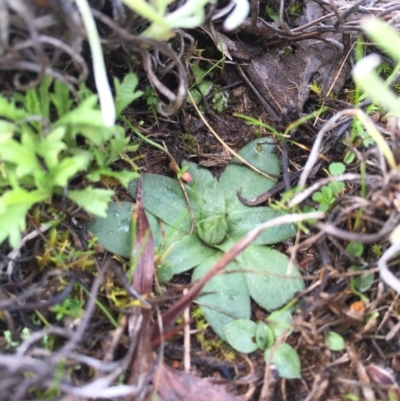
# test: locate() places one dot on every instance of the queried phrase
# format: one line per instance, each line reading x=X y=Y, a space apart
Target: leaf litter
x=97 y=342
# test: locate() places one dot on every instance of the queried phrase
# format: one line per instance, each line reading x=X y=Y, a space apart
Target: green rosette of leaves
x=220 y=219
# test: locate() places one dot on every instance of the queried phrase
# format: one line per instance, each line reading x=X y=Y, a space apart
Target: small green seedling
x=202 y=86
x=246 y=336
x=205 y=87
x=293 y=10
x=25 y=334
x=151 y=99
x=359 y=134
x=271 y=13
x=327 y=196
x=219 y=99
x=363 y=283
x=70 y=307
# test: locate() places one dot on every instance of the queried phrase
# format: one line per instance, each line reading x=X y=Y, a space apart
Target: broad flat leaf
x=286 y=361
x=169 y=235
x=236 y=175
x=213 y=201
x=203 y=182
x=364 y=282
x=337 y=168
x=212 y=227
x=241 y=222
x=165 y=272
x=100 y=157
x=240 y=334
x=164 y=197
x=93 y=200
x=202 y=177
x=336 y=341
x=196 y=95
x=113 y=231
x=125 y=92
x=355 y=248
x=187 y=253
x=227 y=244
x=272 y=285
x=264 y=336
x=318 y=197
x=229 y=294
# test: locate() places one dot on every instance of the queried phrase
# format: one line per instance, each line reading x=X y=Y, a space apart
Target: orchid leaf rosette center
x=220 y=219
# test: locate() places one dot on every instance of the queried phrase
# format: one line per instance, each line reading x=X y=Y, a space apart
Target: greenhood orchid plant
x=196 y=237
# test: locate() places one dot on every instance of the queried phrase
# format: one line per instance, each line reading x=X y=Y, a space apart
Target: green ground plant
x=363 y=283
x=327 y=195
x=246 y=336
x=151 y=99
x=293 y=11
x=47 y=139
x=70 y=307
x=335 y=341
x=203 y=86
x=25 y=333
x=219 y=220
x=190 y=141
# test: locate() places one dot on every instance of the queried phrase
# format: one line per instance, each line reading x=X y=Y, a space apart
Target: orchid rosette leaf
x=195 y=234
